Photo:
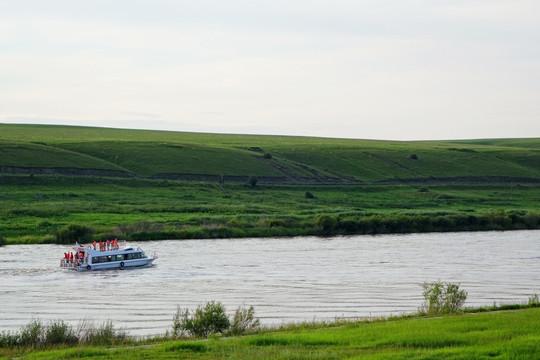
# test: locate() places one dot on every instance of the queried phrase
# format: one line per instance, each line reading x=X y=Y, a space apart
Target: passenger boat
x=87 y=258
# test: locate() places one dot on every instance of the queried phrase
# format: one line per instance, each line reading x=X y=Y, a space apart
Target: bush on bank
x=316 y=225
x=73 y=233
x=211 y=318
x=36 y=335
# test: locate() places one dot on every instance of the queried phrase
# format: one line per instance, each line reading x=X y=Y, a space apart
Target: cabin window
x=119 y=257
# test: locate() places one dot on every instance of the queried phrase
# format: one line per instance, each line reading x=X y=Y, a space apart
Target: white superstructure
x=86 y=258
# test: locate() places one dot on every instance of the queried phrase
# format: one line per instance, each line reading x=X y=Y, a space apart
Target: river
x=284 y=279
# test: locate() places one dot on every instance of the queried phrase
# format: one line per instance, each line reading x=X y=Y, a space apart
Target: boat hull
x=147 y=262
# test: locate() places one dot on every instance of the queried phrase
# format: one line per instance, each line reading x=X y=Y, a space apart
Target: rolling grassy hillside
x=170 y=155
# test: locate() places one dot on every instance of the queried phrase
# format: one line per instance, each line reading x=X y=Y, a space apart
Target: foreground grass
x=33 y=208
x=496 y=335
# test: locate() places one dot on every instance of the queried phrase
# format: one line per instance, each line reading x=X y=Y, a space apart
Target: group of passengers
x=71 y=258
x=106 y=245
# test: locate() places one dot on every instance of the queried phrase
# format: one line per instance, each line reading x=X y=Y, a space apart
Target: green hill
x=75 y=150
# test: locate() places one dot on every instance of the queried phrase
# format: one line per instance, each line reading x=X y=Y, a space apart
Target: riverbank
x=501 y=334
x=34 y=209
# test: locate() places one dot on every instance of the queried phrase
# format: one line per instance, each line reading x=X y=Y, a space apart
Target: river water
x=285 y=279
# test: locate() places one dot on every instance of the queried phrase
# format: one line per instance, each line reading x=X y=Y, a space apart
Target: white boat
x=87 y=258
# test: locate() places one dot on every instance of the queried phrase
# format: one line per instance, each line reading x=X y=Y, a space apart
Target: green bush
x=58 y=332
x=326 y=222
x=205 y=320
x=106 y=335
x=252 y=181
x=9 y=340
x=243 y=321
x=2 y=241
x=74 y=233
x=442 y=298
x=32 y=334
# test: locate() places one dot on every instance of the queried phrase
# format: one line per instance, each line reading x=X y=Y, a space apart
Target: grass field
x=307 y=186
x=33 y=208
x=496 y=335
x=159 y=154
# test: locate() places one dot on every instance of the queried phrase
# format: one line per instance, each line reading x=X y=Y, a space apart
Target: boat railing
x=120 y=244
x=72 y=263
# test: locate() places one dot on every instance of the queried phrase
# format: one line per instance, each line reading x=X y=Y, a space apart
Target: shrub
x=442 y=298
x=9 y=340
x=106 y=335
x=58 y=332
x=252 y=181
x=2 y=241
x=326 y=222
x=309 y=195
x=243 y=321
x=74 y=233
x=32 y=334
x=206 y=320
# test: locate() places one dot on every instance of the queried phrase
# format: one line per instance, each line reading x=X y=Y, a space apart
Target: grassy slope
x=147 y=153
x=501 y=335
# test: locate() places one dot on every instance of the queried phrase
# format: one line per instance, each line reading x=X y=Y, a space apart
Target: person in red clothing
x=94 y=243
x=108 y=245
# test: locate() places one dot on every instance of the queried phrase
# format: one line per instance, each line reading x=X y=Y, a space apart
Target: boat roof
x=90 y=250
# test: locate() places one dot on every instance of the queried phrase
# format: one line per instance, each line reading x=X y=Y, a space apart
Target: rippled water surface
x=286 y=280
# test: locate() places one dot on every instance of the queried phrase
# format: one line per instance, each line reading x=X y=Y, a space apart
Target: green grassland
x=33 y=208
x=141 y=184
x=292 y=159
x=497 y=335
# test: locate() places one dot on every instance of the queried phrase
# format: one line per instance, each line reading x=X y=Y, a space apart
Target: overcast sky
x=371 y=69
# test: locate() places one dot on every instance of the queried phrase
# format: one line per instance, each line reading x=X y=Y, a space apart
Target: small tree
x=205 y=320
x=442 y=298
x=253 y=180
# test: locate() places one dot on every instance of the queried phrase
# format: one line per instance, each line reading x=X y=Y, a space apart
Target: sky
x=366 y=69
